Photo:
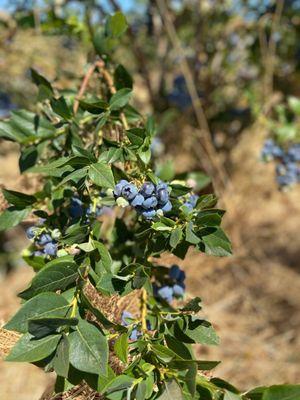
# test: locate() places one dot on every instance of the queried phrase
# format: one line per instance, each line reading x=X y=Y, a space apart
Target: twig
x=220 y=177
x=83 y=86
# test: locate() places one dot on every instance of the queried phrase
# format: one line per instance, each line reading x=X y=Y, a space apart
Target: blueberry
x=162 y=196
x=181 y=277
x=161 y=185
x=50 y=249
x=124 y=316
x=76 y=209
x=38 y=253
x=149 y=214
x=147 y=189
x=174 y=272
x=294 y=152
x=167 y=207
x=44 y=239
x=166 y=293
x=138 y=200
x=150 y=202
x=134 y=334
x=178 y=291
x=129 y=191
x=31 y=232
x=119 y=186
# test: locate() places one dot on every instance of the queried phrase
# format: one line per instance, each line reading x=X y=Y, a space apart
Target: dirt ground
x=252 y=298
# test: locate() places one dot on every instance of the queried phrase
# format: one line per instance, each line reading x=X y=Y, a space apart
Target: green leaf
x=294 y=104
x=163 y=353
x=42 y=306
x=18 y=199
x=190 y=235
x=120 y=99
x=56 y=275
x=282 y=392
x=39 y=80
x=12 y=217
x=231 y=396
x=60 y=107
x=122 y=78
x=175 y=237
x=172 y=391
x=101 y=174
x=88 y=349
x=106 y=260
x=121 y=347
x=217 y=244
x=120 y=383
x=94 y=107
x=160 y=226
x=74 y=176
x=30 y=349
x=136 y=136
x=28 y=158
x=201 y=331
x=193 y=305
x=116 y=25
x=40 y=327
x=61 y=358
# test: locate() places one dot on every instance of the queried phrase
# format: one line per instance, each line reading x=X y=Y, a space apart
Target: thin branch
x=83 y=86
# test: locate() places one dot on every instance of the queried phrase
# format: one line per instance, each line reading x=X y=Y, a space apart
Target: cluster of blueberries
x=150 y=200
x=288 y=167
x=175 y=286
x=44 y=241
x=135 y=333
x=77 y=210
x=191 y=201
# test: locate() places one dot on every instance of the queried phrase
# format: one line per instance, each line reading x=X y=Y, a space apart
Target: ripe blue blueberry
x=162 y=196
x=38 y=253
x=124 y=316
x=135 y=334
x=76 y=208
x=44 y=239
x=147 y=189
x=119 y=187
x=174 y=272
x=129 y=191
x=149 y=214
x=31 y=232
x=178 y=290
x=138 y=200
x=166 y=293
x=167 y=207
x=150 y=202
x=50 y=249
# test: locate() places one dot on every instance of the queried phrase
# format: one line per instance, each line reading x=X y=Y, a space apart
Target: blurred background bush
x=215 y=74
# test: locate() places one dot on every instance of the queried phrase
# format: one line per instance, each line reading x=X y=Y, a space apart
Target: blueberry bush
x=98 y=228
x=283 y=147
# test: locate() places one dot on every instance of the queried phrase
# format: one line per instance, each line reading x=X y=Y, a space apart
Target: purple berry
x=166 y=293
x=50 y=249
x=31 y=232
x=178 y=291
x=44 y=239
x=147 y=189
x=167 y=207
x=124 y=316
x=174 y=272
x=150 y=202
x=149 y=214
x=76 y=209
x=138 y=200
x=38 y=253
x=129 y=191
x=134 y=334
x=162 y=196
x=119 y=187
